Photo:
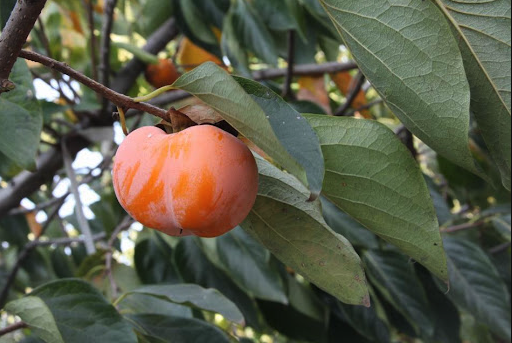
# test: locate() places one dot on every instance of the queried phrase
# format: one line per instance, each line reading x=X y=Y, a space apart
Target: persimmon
x=201 y=181
x=162 y=74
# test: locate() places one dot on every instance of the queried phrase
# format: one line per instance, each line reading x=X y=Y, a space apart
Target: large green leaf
x=296 y=135
x=196 y=268
x=346 y=226
x=153 y=261
x=393 y=275
x=79 y=311
x=21 y=118
x=295 y=232
x=476 y=286
x=251 y=32
x=484 y=35
x=218 y=89
x=372 y=176
x=248 y=263
x=407 y=50
x=34 y=312
x=196 y=297
x=177 y=330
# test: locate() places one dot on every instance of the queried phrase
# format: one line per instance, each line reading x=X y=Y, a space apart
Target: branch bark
x=305 y=70
x=120 y=100
x=14 y=35
x=14 y=327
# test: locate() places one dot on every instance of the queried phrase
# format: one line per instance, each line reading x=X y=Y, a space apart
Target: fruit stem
x=122 y=120
x=154 y=94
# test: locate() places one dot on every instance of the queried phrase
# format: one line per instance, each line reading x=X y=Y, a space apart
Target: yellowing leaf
x=313 y=89
x=190 y=56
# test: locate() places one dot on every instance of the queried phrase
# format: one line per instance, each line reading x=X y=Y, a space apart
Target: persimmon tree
x=381 y=130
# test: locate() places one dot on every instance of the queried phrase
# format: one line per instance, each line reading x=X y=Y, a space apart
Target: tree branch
x=124 y=225
x=14 y=327
x=355 y=88
x=117 y=98
x=287 y=88
x=14 y=35
x=82 y=220
x=155 y=43
x=88 y=8
x=305 y=70
x=106 y=30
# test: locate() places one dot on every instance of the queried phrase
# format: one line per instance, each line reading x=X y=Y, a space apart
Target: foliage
x=346 y=217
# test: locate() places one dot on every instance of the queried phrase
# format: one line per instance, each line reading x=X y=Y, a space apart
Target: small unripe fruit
x=200 y=181
x=162 y=74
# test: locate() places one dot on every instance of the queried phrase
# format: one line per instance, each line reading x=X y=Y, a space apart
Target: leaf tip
x=366 y=302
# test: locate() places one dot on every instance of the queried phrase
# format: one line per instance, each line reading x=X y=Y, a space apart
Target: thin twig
x=67 y=241
x=117 y=98
x=124 y=225
x=14 y=35
x=355 y=87
x=83 y=223
x=88 y=7
x=46 y=44
x=500 y=248
x=305 y=70
x=364 y=107
x=287 y=88
x=106 y=30
x=463 y=227
x=14 y=327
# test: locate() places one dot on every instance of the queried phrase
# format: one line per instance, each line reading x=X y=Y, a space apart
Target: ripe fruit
x=162 y=74
x=201 y=181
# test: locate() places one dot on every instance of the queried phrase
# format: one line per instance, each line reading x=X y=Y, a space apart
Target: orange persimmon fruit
x=201 y=181
x=162 y=74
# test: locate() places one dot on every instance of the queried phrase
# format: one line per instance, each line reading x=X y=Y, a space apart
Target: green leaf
x=476 y=286
x=153 y=261
x=194 y=267
x=503 y=226
x=295 y=232
x=193 y=15
x=279 y=15
x=34 y=312
x=177 y=330
x=483 y=31
x=21 y=118
x=140 y=53
x=251 y=32
x=248 y=263
x=195 y=296
x=81 y=313
x=346 y=226
x=372 y=176
x=153 y=14
x=394 y=276
x=141 y=303
x=215 y=87
x=294 y=133
x=6 y=8
x=407 y=51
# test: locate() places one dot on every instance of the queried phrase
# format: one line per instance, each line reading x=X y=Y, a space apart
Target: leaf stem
x=154 y=94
